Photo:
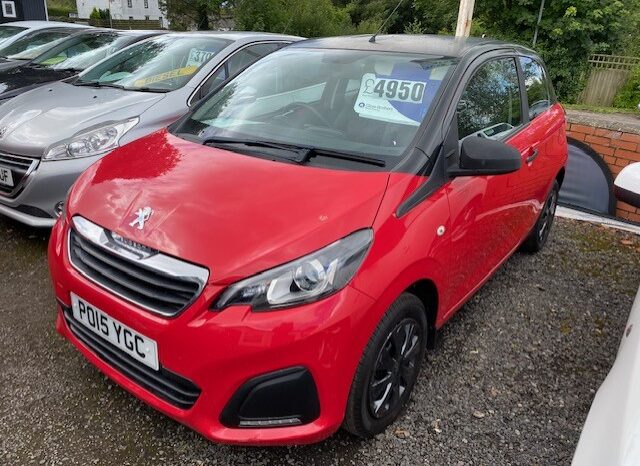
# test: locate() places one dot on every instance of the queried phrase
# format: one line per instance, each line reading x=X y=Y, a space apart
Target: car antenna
x=373 y=37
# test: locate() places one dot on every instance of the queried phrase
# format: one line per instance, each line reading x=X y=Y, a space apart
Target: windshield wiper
x=300 y=152
x=87 y=83
x=97 y=84
x=303 y=154
x=148 y=89
x=313 y=151
x=71 y=69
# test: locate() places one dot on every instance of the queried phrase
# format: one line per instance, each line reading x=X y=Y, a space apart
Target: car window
x=80 y=52
x=237 y=62
x=163 y=64
x=340 y=100
x=537 y=85
x=33 y=45
x=490 y=105
x=10 y=31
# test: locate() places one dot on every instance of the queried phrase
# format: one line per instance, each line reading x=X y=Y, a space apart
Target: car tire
x=540 y=233
x=389 y=368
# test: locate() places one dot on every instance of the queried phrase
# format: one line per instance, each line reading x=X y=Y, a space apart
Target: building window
x=129 y=3
x=146 y=3
x=9 y=9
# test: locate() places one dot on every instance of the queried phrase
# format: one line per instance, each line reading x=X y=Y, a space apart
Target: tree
x=189 y=14
x=570 y=30
x=307 y=18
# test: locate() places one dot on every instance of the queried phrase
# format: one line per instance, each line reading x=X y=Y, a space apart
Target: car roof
x=238 y=35
x=44 y=24
x=121 y=32
x=429 y=44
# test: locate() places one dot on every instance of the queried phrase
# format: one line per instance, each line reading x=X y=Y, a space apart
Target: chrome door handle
x=533 y=156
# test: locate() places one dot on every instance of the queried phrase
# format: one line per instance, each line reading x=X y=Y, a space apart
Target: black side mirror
x=482 y=156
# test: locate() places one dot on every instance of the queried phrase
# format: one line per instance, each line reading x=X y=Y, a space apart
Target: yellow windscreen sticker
x=54 y=60
x=186 y=71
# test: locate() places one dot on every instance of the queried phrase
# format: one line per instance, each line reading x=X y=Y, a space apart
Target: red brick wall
x=618 y=149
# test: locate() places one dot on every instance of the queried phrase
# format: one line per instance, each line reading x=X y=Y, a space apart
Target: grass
x=595 y=109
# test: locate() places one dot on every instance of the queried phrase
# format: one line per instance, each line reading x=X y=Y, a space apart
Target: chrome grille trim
x=138 y=276
x=21 y=167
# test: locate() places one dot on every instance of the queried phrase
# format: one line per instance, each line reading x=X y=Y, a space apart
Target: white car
x=10 y=32
x=611 y=434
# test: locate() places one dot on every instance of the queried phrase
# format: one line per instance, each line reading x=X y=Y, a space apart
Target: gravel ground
x=510 y=381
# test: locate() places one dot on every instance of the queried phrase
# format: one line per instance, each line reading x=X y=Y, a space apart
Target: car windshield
x=9 y=31
x=360 y=102
x=31 y=46
x=81 y=51
x=162 y=64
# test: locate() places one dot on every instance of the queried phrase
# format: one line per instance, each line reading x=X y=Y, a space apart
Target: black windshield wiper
x=148 y=89
x=313 y=152
x=71 y=69
x=301 y=153
x=87 y=83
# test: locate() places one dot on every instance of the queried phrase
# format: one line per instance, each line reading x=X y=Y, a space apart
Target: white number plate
x=5 y=176
x=137 y=346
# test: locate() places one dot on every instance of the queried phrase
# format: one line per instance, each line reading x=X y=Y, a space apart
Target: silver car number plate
x=6 y=178
x=137 y=346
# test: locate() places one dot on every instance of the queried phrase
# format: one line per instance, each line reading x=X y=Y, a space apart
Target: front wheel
x=540 y=233
x=388 y=369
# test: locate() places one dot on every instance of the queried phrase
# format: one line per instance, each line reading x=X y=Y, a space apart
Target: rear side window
x=490 y=105
x=537 y=85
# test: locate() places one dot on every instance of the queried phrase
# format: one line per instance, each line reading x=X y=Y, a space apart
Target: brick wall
x=618 y=143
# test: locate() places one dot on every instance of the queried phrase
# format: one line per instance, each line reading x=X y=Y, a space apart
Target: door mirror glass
x=627 y=185
x=481 y=156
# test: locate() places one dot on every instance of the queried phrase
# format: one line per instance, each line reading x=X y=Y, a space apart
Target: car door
x=544 y=130
x=489 y=214
x=233 y=65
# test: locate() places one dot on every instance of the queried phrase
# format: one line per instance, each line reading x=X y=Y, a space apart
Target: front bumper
x=220 y=351
x=35 y=203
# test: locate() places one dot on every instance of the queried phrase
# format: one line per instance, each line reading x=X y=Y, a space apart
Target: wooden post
x=465 y=15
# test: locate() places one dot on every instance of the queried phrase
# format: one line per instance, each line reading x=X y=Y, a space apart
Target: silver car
x=15 y=30
x=50 y=135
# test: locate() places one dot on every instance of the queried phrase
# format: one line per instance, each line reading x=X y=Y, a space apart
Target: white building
x=122 y=9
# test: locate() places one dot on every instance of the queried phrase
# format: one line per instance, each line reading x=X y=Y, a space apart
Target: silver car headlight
x=95 y=142
x=304 y=280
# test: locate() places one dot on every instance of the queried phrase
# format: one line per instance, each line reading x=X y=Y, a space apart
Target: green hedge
x=629 y=95
x=60 y=11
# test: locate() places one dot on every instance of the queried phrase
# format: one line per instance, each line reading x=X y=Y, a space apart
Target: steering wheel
x=321 y=119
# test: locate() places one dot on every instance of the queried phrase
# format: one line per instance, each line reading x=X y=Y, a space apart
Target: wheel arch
x=427 y=292
x=560 y=176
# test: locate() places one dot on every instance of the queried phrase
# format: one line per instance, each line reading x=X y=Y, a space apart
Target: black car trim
x=165 y=384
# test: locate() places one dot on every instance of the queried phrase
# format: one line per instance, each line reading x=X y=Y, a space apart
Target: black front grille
x=19 y=167
x=163 y=383
x=149 y=288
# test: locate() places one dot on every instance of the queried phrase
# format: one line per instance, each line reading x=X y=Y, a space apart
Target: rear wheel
x=388 y=369
x=540 y=233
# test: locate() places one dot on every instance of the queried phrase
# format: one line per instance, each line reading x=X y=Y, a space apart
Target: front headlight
x=304 y=280
x=95 y=142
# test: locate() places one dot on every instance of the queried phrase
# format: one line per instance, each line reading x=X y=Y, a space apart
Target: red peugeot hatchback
x=273 y=266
